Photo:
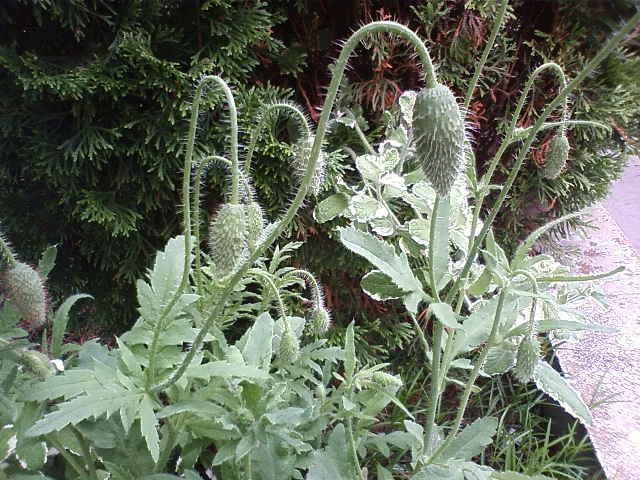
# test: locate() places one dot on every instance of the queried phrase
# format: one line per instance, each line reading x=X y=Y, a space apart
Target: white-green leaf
x=47 y=261
x=471 y=441
x=500 y=359
x=554 y=385
x=60 y=320
x=419 y=231
x=382 y=256
x=349 y=353
x=333 y=462
x=444 y=313
x=149 y=426
x=258 y=342
x=364 y=207
x=380 y=287
x=331 y=207
x=441 y=240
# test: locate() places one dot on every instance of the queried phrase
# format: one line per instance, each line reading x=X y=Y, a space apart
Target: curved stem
x=195 y=208
x=247 y=190
x=301 y=194
x=472 y=379
x=362 y=136
x=318 y=302
x=272 y=286
x=292 y=109
x=534 y=300
x=522 y=133
x=485 y=54
x=561 y=97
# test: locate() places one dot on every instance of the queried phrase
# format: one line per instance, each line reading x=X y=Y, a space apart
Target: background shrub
x=93 y=98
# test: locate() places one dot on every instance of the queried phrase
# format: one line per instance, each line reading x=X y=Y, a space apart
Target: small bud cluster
x=289 y=347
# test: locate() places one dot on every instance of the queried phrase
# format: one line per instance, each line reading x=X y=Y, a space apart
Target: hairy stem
x=313 y=284
x=279 y=227
x=196 y=208
x=472 y=378
x=485 y=54
x=580 y=278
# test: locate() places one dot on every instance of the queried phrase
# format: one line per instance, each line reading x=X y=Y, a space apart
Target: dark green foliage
x=93 y=103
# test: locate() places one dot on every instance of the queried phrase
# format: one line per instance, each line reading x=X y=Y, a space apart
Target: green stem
x=421 y=336
x=432 y=238
x=561 y=97
x=310 y=280
x=534 y=301
x=196 y=208
x=279 y=227
x=485 y=54
x=86 y=454
x=264 y=117
x=580 y=278
x=186 y=202
x=247 y=190
x=472 y=378
x=362 y=136
x=272 y=286
x=354 y=450
x=522 y=133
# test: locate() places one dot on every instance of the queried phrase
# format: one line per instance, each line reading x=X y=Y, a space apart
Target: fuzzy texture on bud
x=386 y=380
x=319 y=321
x=37 y=363
x=24 y=286
x=438 y=129
x=255 y=223
x=228 y=238
x=7 y=257
x=289 y=347
x=527 y=359
x=301 y=156
x=557 y=156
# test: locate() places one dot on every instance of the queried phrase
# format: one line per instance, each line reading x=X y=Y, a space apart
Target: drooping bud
x=255 y=223
x=319 y=321
x=37 y=363
x=527 y=359
x=557 y=156
x=24 y=286
x=228 y=238
x=289 y=347
x=301 y=158
x=386 y=380
x=438 y=129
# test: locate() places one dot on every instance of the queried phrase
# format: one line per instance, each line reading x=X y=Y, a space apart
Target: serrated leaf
x=47 y=261
x=257 y=342
x=523 y=250
x=471 y=441
x=380 y=287
x=500 y=359
x=60 y=320
x=444 y=313
x=382 y=256
x=419 y=231
x=441 y=240
x=331 y=207
x=333 y=462
x=364 y=207
x=224 y=369
x=554 y=385
x=149 y=426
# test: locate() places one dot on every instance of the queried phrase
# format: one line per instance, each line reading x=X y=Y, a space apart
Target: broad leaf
x=349 y=353
x=445 y=314
x=382 y=256
x=257 y=342
x=149 y=426
x=441 y=240
x=333 y=462
x=554 y=385
x=60 y=320
x=380 y=287
x=471 y=441
x=331 y=207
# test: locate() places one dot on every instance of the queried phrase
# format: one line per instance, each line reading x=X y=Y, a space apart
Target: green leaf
x=419 y=231
x=444 y=313
x=382 y=256
x=441 y=240
x=523 y=250
x=454 y=470
x=47 y=261
x=257 y=348
x=60 y=320
x=349 y=353
x=471 y=441
x=554 y=385
x=380 y=287
x=517 y=476
x=224 y=369
x=149 y=426
x=333 y=462
x=331 y=207
x=500 y=358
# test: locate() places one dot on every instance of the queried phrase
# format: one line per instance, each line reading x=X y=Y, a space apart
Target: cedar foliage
x=94 y=95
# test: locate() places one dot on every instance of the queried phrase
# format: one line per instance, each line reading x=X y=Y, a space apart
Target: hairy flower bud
x=526 y=359
x=438 y=129
x=255 y=223
x=228 y=238
x=289 y=347
x=302 y=155
x=557 y=156
x=319 y=321
x=24 y=286
x=37 y=363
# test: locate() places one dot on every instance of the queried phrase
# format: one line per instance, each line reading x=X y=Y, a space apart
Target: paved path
x=605 y=367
